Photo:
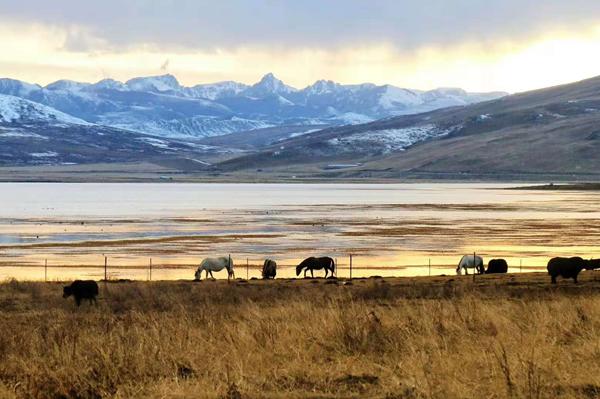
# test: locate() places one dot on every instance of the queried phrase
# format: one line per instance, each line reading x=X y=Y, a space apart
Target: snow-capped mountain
x=161 y=106
x=156 y=84
x=15 y=110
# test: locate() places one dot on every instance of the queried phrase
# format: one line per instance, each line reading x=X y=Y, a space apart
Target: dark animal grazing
x=593 y=264
x=566 y=268
x=316 y=264
x=87 y=289
x=269 y=269
x=496 y=266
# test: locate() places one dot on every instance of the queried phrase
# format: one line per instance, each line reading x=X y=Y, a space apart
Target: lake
x=390 y=229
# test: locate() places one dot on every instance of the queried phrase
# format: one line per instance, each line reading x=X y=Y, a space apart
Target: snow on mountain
x=268 y=85
x=17 y=88
x=215 y=91
x=66 y=85
x=321 y=87
x=160 y=105
x=200 y=126
x=388 y=140
x=393 y=97
x=17 y=110
x=158 y=84
x=108 y=84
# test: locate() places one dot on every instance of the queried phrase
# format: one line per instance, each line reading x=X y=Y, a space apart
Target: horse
x=210 y=265
x=467 y=262
x=497 y=266
x=313 y=263
x=269 y=269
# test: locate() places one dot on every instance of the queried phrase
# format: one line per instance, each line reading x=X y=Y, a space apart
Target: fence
x=349 y=266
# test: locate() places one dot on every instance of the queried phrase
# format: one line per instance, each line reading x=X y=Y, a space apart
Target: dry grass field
x=439 y=337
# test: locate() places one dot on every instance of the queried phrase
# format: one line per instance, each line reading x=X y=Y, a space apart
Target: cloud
x=212 y=25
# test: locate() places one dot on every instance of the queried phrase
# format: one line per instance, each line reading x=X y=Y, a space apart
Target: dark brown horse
x=316 y=264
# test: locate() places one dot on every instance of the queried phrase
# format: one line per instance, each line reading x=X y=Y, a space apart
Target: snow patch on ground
x=21 y=134
x=48 y=154
x=155 y=142
x=390 y=140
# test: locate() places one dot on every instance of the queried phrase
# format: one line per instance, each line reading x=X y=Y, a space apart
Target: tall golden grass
x=495 y=337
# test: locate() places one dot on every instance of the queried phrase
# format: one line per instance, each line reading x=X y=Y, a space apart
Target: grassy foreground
x=443 y=337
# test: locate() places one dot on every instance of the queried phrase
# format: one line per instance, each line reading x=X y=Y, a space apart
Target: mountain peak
x=109 y=84
x=269 y=85
x=65 y=84
x=158 y=83
x=322 y=86
x=17 y=88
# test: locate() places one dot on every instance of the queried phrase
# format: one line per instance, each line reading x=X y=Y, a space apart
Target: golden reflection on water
x=398 y=231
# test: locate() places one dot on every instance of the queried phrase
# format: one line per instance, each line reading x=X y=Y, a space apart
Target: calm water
x=391 y=229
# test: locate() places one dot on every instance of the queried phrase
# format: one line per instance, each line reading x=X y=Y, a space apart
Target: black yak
x=87 y=289
x=566 y=268
x=269 y=269
x=593 y=264
x=497 y=266
x=316 y=264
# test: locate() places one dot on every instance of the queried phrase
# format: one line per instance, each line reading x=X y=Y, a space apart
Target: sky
x=506 y=45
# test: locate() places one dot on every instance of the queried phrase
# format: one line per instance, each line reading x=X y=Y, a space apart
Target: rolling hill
x=548 y=132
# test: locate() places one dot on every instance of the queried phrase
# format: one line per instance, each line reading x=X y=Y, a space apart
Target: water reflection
x=392 y=230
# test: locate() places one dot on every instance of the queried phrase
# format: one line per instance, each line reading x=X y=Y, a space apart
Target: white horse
x=210 y=265
x=470 y=262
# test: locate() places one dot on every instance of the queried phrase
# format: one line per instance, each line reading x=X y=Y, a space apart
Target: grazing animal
x=593 y=264
x=82 y=289
x=467 y=262
x=210 y=265
x=566 y=267
x=269 y=269
x=496 y=266
x=313 y=263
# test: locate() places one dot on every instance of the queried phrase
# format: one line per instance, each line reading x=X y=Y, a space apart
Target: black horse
x=316 y=264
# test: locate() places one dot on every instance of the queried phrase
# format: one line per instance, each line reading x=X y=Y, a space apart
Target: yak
x=82 y=289
x=269 y=269
x=497 y=266
x=566 y=268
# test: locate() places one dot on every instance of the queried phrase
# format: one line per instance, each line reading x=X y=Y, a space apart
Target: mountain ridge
x=161 y=106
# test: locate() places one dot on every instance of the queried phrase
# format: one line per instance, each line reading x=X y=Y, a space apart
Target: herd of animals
x=557 y=267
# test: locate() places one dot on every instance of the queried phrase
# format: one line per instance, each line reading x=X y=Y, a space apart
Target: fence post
x=150 y=276
x=429 y=267
x=105 y=269
x=350 y=266
x=247 y=269
x=45 y=270
x=520 y=265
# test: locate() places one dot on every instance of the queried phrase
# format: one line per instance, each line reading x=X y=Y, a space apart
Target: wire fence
x=151 y=269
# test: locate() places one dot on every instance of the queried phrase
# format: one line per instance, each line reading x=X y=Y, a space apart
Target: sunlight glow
x=38 y=54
